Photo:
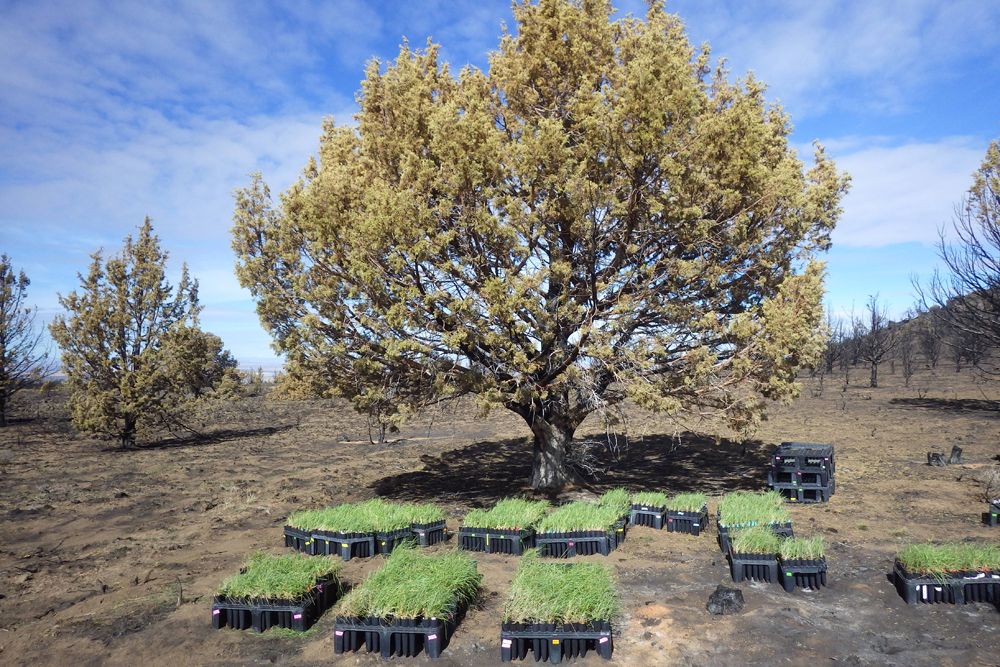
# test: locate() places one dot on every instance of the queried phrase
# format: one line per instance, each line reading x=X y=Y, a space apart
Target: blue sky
x=114 y=111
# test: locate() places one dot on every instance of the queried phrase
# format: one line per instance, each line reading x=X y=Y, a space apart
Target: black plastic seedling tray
x=427 y=534
x=758 y=567
x=386 y=542
x=798 y=493
x=394 y=637
x=300 y=540
x=804 y=456
x=619 y=531
x=555 y=641
x=802 y=574
x=579 y=542
x=496 y=540
x=955 y=588
x=345 y=545
x=780 y=529
x=261 y=615
x=687 y=522
x=798 y=477
x=647 y=515
x=992 y=515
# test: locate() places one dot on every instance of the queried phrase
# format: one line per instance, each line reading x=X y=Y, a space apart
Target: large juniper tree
x=132 y=351
x=600 y=216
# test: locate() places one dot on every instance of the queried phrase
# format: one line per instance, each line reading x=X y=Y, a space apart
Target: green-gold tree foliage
x=599 y=216
x=130 y=344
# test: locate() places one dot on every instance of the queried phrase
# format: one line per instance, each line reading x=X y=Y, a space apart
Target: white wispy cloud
x=902 y=192
x=842 y=55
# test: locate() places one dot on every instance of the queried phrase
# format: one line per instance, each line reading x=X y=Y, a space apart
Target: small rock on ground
x=725 y=601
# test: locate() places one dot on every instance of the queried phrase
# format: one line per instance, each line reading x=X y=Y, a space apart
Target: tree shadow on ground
x=949 y=404
x=202 y=439
x=484 y=472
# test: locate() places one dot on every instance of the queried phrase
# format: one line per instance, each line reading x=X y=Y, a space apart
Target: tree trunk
x=874 y=380
x=551 y=470
x=3 y=410
x=128 y=432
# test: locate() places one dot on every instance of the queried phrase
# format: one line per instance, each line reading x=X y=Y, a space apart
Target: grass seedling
x=650 y=498
x=802 y=548
x=285 y=577
x=422 y=513
x=743 y=508
x=560 y=592
x=616 y=499
x=687 y=502
x=756 y=540
x=375 y=515
x=508 y=514
x=940 y=559
x=580 y=515
x=415 y=585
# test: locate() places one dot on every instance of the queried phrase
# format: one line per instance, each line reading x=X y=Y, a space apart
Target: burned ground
x=111 y=557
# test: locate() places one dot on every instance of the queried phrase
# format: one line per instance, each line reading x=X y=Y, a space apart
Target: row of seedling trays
x=579 y=528
x=755 y=533
x=414 y=602
x=954 y=573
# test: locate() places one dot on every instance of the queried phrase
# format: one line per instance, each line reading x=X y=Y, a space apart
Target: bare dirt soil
x=111 y=557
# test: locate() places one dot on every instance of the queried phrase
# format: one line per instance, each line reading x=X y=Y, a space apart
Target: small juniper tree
x=600 y=216
x=131 y=348
x=23 y=357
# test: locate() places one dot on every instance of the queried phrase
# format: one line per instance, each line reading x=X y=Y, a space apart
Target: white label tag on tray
x=430 y=637
x=602 y=640
x=216 y=612
x=297 y=617
x=339 y=633
x=505 y=643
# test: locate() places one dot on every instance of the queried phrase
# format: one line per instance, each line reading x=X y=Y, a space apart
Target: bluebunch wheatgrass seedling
x=756 y=540
x=618 y=500
x=375 y=515
x=508 y=514
x=413 y=585
x=560 y=592
x=802 y=548
x=284 y=577
x=687 y=502
x=650 y=498
x=580 y=515
x=744 y=508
